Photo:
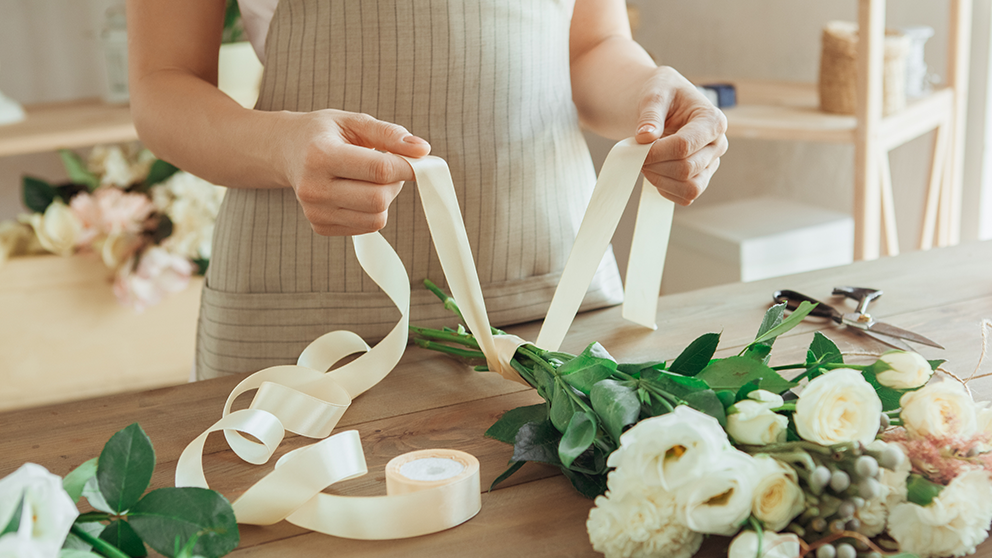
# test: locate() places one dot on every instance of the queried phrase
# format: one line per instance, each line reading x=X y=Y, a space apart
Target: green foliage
x=920 y=491
x=583 y=371
x=578 y=436
x=617 y=405
x=166 y=513
x=15 y=520
x=37 y=194
x=75 y=167
x=733 y=373
x=506 y=428
x=120 y=534
x=697 y=355
x=768 y=337
x=125 y=468
x=160 y=172
x=74 y=482
x=537 y=441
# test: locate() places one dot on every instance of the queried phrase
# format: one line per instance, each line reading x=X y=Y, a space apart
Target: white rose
x=941 y=410
x=953 y=524
x=46 y=515
x=58 y=229
x=718 y=502
x=906 y=370
x=838 y=407
x=773 y=545
x=639 y=523
x=752 y=421
x=777 y=496
x=672 y=449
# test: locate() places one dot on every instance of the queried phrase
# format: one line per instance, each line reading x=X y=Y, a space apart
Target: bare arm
x=328 y=157
x=620 y=92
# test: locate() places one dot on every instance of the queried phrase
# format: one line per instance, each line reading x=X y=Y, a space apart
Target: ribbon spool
x=427 y=490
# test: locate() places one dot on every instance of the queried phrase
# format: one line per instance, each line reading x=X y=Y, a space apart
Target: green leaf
x=201 y=266
x=125 y=467
x=920 y=491
x=505 y=429
x=675 y=384
x=636 y=368
x=77 y=553
x=77 y=171
x=37 y=194
x=163 y=229
x=577 y=437
x=745 y=390
x=708 y=402
x=935 y=363
x=160 y=172
x=513 y=468
x=697 y=355
x=94 y=497
x=733 y=372
x=74 y=482
x=562 y=407
x=758 y=352
x=15 y=520
x=888 y=396
x=121 y=535
x=792 y=321
x=616 y=404
x=583 y=371
x=537 y=441
x=587 y=485
x=727 y=397
x=166 y=513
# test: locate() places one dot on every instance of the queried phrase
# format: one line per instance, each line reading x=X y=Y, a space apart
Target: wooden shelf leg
x=937 y=180
x=867 y=183
x=888 y=205
x=957 y=78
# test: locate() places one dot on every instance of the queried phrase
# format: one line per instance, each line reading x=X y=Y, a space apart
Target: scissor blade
x=890 y=341
x=893 y=331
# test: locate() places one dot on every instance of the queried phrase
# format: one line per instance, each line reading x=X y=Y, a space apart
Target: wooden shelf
x=775 y=110
x=67 y=125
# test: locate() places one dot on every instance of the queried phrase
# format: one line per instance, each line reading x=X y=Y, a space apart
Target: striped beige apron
x=486 y=82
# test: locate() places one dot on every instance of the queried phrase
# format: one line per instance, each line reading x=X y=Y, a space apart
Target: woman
x=497 y=87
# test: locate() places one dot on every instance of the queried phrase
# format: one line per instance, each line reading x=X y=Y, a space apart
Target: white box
x=753 y=239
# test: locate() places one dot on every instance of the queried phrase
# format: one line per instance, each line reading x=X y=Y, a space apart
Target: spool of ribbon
x=429 y=490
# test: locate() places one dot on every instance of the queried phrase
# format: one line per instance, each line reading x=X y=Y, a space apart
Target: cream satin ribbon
x=308 y=400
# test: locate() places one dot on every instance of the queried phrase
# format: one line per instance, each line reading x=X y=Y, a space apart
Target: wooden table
x=431 y=402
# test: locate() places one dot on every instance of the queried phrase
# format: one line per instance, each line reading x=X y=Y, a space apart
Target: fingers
x=689 y=167
x=349 y=207
x=683 y=192
x=653 y=112
x=366 y=131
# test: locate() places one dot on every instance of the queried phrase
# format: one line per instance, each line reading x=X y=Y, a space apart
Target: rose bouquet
x=866 y=460
x=150 y=223
x=39 y=517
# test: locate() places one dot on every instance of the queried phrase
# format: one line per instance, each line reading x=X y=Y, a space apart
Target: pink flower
x=157 y=274
x=112 y=210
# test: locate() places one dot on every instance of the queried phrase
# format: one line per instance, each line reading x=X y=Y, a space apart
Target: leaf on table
x=120 y=534
x=733 y=372
x=37 y=194
x=125 y=467
x=578 y=436
x=505 y=429
x=636 y=368
x=513 y=468
x=537 y=441
x=74 y=482
x=163 y=514
x=696 y=356
x=617 y=406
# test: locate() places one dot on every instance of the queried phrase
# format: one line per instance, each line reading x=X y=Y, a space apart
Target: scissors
x=859 y=319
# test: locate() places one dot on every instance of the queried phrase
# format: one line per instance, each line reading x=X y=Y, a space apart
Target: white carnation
x=192 y=204
x=639 y=524
x=953 y=524
x=719 y=501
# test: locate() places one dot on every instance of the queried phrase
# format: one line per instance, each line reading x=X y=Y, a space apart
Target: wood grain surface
x=429 y=401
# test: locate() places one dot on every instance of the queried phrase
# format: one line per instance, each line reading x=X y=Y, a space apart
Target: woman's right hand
x=345 y=169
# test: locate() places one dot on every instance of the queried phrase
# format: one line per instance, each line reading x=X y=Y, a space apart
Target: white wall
x=780 y=40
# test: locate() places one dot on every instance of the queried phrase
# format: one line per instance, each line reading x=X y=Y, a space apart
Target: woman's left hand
x=688 y=132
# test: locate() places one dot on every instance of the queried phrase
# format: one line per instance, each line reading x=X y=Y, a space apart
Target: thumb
x=366 y=131
x=651 y=121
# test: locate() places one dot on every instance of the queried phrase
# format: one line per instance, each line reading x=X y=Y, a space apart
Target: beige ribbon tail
x=647 y=256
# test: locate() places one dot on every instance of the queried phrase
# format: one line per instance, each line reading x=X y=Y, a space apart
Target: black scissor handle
x=792 y=299
x=863 y=295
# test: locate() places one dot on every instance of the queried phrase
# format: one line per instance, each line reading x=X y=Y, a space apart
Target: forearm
x=193 y=125
x=608 y=85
